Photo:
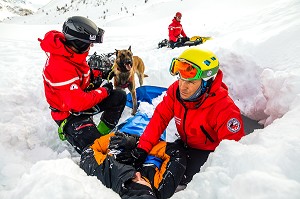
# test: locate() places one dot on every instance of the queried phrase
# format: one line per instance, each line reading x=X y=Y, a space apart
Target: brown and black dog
x=125 y=67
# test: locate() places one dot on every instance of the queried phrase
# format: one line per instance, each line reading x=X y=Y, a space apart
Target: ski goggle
x=100 y=34
x=185 y=69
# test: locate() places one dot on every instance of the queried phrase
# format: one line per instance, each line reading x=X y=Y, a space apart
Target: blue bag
x=145 y=94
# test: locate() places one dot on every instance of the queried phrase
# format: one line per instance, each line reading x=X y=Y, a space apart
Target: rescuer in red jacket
x=203 y=112
x=175 y=31
x=72 y=89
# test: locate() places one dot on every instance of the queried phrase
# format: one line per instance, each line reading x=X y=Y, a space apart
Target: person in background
x=157 y=177
x=175 y=31
x=204 y=113
x=72 y=89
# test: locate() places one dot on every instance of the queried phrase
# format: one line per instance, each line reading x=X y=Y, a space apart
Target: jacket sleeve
x=163 y=113
x=168 y=177
x=229 y=123
x=183 y=33
x=74 y=97
x=79 y=100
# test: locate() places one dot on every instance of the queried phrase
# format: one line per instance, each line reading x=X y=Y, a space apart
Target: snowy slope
x=257 y=44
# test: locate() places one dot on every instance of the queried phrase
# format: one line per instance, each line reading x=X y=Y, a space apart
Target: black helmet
x=82 y=29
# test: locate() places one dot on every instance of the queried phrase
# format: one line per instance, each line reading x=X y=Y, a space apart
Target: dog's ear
x=129 y=48
x=116 y=52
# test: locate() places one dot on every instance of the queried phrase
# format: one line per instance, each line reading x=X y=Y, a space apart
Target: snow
x=258 y=45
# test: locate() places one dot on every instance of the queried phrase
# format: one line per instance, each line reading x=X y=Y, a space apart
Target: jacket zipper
x=206 y=134
x=184 y=119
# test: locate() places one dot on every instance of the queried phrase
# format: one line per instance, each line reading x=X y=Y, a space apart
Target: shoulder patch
x=233 y=125
x=73 y=87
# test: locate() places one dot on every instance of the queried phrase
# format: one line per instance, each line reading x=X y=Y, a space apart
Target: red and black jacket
x=202 y=124
x=66 y=76
x=96 y=161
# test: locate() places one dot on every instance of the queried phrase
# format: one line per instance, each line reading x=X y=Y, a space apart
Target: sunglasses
x=185 y=69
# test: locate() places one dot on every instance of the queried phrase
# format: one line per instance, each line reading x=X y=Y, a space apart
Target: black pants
x=195 y=160
x=81 y=130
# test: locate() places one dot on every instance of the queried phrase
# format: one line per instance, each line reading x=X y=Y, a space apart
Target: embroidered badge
x=73 y=87
x=233 y=125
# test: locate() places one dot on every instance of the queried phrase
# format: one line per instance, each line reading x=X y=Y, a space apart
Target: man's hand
x=97 y=82
x=136 y=157
x=139 y=155
x=123 y=141
x=108 y=86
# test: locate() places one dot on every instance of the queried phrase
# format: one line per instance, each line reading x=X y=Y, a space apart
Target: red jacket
x=66 y=75
x=201 y=124
x=175 y=30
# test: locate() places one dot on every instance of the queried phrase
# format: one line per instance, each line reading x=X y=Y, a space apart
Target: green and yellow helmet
x=203 y=59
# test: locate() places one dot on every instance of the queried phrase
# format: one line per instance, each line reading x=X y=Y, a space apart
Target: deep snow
x=258 y=45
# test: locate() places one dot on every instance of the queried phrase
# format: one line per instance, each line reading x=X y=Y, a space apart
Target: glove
x=105 y=74
x=125 y=157
x=136 y=157
x=108 y=86
x=123 y=141
x=186 y=39
x=97 y=82
x=139 y=155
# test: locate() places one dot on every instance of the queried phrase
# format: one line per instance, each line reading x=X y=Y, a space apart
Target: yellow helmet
x=204 y=59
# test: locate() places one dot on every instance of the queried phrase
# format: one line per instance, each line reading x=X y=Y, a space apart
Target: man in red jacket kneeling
x=73 y=90
x=201 y=107
x=175 y=31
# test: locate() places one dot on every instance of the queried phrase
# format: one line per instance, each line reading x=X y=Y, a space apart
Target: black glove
x=97 y=82
x=185 y=39
x=108 y=86
x=123 y=141
x=107 y=74
x=139 y=155
x=125 y=157
x=136 y=157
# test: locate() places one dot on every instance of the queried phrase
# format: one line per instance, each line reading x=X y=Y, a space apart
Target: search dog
x=125 y=67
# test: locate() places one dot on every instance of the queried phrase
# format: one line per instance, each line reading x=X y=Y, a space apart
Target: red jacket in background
x=175 y=30
x=202 y=124
x=66 y=75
